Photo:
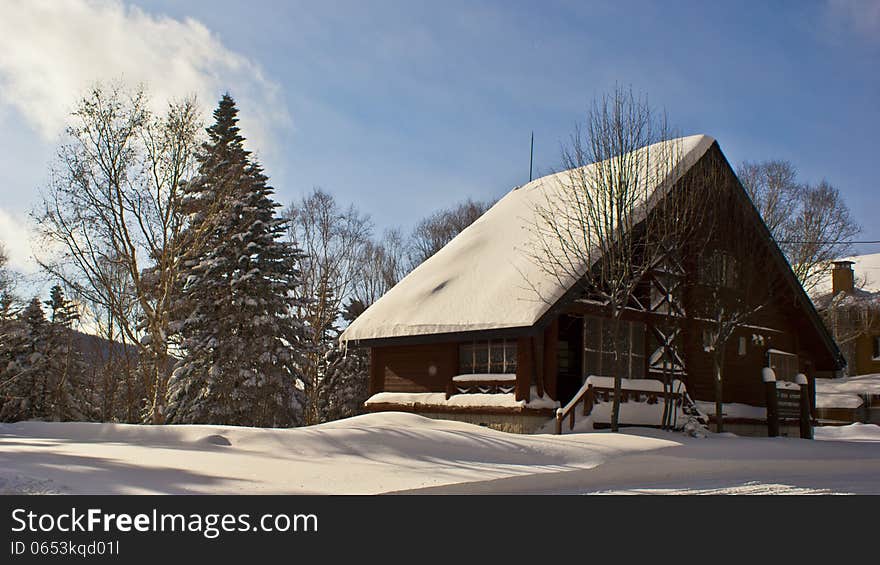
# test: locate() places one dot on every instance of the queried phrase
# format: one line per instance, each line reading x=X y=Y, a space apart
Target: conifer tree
x=70 y=397
x=41 y=373
x=24 y=358
x=236 y=293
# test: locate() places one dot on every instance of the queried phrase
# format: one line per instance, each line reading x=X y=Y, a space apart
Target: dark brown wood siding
x=523 y=368
x=551 y=337
x=413 y=368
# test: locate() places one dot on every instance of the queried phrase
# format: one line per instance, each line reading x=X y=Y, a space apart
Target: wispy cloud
x=52 y=51
x=861 y=16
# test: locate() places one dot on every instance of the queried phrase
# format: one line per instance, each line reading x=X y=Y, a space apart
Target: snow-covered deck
x=476 y=402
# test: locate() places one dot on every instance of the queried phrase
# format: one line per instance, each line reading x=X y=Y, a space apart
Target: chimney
x=842 y=277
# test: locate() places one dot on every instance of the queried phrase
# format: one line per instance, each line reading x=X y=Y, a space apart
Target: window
x=482 y=357
x=741 y=348
x=708 y=341
x=785 y=365
x=719 y=269
x=876 y=348
x=599 y=348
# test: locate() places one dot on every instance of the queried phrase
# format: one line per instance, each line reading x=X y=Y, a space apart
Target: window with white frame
x=496 y=356
x=599 y=348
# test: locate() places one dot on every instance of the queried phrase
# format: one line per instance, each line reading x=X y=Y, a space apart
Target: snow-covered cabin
x=480 y=333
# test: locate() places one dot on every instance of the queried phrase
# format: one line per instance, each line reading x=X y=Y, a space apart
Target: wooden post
x=806 y=416
x=588 y=401
x=558 y=423
x=769 y=378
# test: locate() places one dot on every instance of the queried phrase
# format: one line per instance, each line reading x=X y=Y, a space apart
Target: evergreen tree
x=344 y=374
x=237 y=285
x=41 y=373
x=23 y=378
x=61 y=310
x=70 y=397
x=344 y=382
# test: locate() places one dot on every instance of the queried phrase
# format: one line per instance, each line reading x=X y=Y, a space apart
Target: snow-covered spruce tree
x=344 y=374
x=41 y=373
x=240 y=342
x=70 y=395
x=22 y=378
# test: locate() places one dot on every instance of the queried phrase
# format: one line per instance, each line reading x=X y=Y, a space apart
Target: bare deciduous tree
x=811 y=223
x=734 y=280
x=113 y=209
x=595 y=230
x=849 y=316
x=334 y=240
x=383 y=263
x=432 y=233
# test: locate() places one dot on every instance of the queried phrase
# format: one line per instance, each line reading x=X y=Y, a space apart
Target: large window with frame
x=785 y=365
x=720 y=268
x=599 y=348
x=497 y=356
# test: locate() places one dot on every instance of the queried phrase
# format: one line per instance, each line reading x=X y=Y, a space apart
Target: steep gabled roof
x=484 y=279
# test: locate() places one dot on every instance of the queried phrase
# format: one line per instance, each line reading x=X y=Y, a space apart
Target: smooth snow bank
x=367 y=454
x=717 y=464
x=844 y=392
x=852 y=432
x=484 y=278
x=437 y=400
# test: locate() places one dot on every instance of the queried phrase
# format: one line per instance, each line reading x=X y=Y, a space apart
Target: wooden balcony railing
x=585 y=395
x=589 y=394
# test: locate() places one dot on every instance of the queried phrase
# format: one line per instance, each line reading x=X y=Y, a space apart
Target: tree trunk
x=615 y=403
x=719 y=395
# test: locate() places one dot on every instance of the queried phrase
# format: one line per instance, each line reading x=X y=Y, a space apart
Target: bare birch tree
x=849 y=316
x=382 y=264
x=113 y=208
x=595 y=230
x=811 y=223
x=435 y=231
x=334 y=240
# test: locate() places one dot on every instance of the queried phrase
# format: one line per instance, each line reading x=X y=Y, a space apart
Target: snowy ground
x=403 y=452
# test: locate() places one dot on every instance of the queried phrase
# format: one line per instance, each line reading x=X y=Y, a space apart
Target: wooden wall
x=430 y=367
x=413 y=368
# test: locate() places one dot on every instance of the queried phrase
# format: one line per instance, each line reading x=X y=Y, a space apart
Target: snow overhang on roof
x=484 y=279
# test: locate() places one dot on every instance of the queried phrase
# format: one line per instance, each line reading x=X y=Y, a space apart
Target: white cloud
x=52 y=51
x=16 y=237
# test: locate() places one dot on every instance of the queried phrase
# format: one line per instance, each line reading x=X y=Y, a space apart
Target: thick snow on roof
x=484 y=278
x=867 y=274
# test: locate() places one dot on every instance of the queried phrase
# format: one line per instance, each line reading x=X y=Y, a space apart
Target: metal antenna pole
x=531 y=155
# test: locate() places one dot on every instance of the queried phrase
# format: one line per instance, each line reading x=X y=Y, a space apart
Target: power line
x=875 y=242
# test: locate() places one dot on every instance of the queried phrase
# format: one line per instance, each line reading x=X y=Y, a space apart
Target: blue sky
x=404 y=107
